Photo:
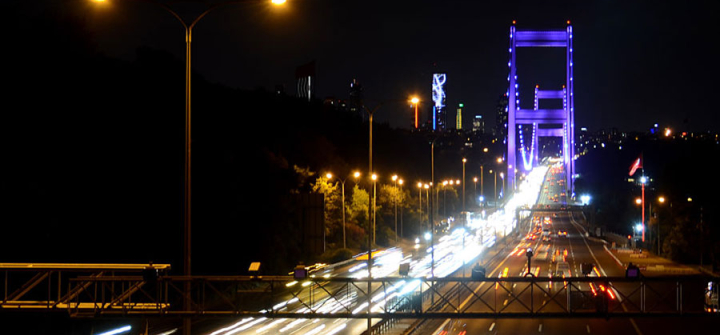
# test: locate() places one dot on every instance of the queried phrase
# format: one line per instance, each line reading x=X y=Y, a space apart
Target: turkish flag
x=636 y=165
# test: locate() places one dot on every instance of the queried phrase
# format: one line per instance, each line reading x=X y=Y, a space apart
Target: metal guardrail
x=137 y=292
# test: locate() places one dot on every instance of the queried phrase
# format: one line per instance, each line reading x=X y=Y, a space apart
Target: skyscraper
x=439 y=116
x=458 y=117
x=305 y=76
x=478 y=125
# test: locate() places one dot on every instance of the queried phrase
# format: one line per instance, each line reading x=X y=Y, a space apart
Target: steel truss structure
x=283 y=297
x=535 y=117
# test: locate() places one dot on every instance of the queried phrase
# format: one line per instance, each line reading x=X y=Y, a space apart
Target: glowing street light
x=415 y=102
x=638 y=201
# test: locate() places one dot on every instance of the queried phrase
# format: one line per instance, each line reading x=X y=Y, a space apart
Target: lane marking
x=505 y=302
x=588 y=328
x=540 y=328
x=632 y=321
x=491 y=327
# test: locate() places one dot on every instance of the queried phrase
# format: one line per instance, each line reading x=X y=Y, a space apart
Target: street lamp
x=402 y=207
x=395 y=179
x=188 y=27
x=415 y=102
x=374 y=179
x=420 y=187
x=475 y=188
x=329 y=176
x=464 y=160
x=494 y=187
x=661 y=200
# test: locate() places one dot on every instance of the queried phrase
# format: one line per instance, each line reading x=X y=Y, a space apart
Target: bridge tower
x=517 y=117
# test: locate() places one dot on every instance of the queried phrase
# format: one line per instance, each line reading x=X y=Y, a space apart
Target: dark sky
x=636 y=62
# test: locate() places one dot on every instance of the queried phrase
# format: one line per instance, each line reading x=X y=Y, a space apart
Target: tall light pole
x=495 y=187
x=356 y=175
x=402 y=207
x=415 y=102
x=374 y=200
x=482 y=186
x=661 y=200
x=187 y=203
x=464 y=160
x=395 y=179
x=420 y=187
x=475 y=188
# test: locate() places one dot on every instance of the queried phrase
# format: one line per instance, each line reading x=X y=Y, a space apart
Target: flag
x=636 y=165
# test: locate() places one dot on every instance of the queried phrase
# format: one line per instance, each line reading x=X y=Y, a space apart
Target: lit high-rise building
x=478 y=124
x=305 y=76
x=458 y=117
x=439 y=117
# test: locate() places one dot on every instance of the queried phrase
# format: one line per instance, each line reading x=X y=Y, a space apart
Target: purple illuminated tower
x=537 y=116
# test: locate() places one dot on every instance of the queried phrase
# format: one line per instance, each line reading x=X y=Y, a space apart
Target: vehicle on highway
x=562 y=233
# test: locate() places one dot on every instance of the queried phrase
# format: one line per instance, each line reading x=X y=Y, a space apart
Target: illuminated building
x=478 y=125
x=305 y=76
x=438 y=95
x=458 y=117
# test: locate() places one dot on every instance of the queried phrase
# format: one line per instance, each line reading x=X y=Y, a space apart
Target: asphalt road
x=576 y=249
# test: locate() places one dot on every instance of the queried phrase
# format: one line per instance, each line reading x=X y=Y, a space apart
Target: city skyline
x=250 y=45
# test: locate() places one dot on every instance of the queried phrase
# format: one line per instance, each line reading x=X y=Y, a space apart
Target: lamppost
x=420 y=187
x=475 y=188
x=356 y=175
x=464 y=160
x=395 y=179
x=495 y=186
x=482 y=186
x=188 y=27
x=415 y=102
x=402 y=206
x=661 y=200
x=374 y=200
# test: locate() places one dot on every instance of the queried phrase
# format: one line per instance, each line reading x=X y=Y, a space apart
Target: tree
x=357 y=212
x=333 y=211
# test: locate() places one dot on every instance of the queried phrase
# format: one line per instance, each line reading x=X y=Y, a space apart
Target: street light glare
x=394 y=177
x=638 y=201
x=661 y=199
x=357 y=174
x=329 y=175
x=278 y=2
x=414 y=100
x=374 y=177
x=400 y=181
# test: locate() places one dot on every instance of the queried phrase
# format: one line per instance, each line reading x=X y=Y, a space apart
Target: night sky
x=636 y=62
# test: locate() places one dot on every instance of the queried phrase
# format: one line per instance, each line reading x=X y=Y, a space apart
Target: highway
x=559 y=245
x=574 y=248
x=451 y=250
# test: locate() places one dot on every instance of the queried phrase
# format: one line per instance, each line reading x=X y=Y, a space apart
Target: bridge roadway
x=580 y=249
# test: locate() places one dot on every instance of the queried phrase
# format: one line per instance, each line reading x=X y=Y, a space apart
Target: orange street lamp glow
x=329 y=175
x=661 y=199
x=415 y=101
x=356 y=175
x=420 y=185
x=400 y=181
x=374 y=176
x=638 y=201
x=394 y=177
x=457 y=182
x=278 y=2
x=499 y=160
